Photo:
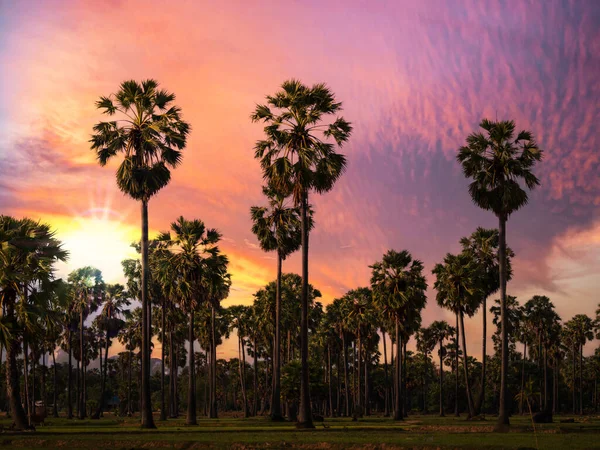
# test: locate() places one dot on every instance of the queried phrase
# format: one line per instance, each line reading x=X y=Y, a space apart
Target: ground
x=417 y=432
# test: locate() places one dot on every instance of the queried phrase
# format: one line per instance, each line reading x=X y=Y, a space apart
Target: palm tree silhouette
x=497 y=164
x=150 y=133
x=296 y=159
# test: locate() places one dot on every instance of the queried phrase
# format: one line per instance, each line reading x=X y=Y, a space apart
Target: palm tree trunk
x=441 y=380
x=483 y=359
x=305 y=413
x=70 y=380
x=82 y=368
x=581 y=379
x=346 y=378
x=191 y=411
x=338 y=400
x=243 y=377
x=398 y=377
x=213 y=366
x=366 y=365
x=43 y=383
x=545 y=379
x=426 y=360
x=331 y=409
x=522 y=379
x=466 y=366
x=163 y=406
x=503 y=420
x=574 y=381
x=172 y=374
x=13 y=388
x=129 y=411
x=147 y=418
x=403 y=390
x=386 y=380
x=207 y=382
x=54 y=396
x=358 y=371
x=255 y=379
x=103 y=376
x=26 y=379
x=276 y=389
x=456 y=350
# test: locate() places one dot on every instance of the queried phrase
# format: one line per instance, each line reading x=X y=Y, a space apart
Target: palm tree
x=278 y=228
x=582 y=330
x=87 y=292
x=459 y=290
x=28 y=251
x=426 y=342
x=297 y=158
x=541 y=318
x=497 y=164
x=239 y=319
x=440 y=331
x=115 y=301
x=149 y=132
x=196 y=261
x=482 y=245
x=130 y=335
x=399 y=284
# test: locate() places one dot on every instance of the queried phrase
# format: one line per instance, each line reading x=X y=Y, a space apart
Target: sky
x=415 y=79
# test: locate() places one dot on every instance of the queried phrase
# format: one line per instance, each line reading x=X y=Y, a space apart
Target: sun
x=99 y=238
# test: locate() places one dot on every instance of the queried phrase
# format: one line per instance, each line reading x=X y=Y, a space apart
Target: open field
x=422 y=432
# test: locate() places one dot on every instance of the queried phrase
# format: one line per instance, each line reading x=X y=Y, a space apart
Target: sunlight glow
x=100 y=239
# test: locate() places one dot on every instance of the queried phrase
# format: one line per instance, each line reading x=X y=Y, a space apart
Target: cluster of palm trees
x=309 y=354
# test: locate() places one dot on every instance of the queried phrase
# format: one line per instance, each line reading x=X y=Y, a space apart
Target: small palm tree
x=526 y=396
x=440 y=331
x=150 y=133
x=297 y=158
x=497 y=163
x=398 y=282
x=198 y=265
x=87 y=290
x=482 y=245
x=116 y=300
x=459 y=290
x=278 y=228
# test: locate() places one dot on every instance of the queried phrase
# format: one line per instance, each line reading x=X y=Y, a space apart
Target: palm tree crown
x=295 y=156
x=148 y=131
x=497 y=164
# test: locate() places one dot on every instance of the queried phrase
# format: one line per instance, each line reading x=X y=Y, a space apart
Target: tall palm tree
x=482 y=245
x=196 y=262
x=116 y=299
x=278 y=228
x=398 y=282
x=28 y=252
x=497 y=163
x=150 y=133
x=297 y=157
x=440 y=331
x=459 y=290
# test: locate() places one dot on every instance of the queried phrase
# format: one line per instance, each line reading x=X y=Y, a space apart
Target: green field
x=422 y=432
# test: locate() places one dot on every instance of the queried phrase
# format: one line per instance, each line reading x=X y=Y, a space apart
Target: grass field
x=420 y=432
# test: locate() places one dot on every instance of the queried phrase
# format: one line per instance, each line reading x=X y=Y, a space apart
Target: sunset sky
x=415 y=78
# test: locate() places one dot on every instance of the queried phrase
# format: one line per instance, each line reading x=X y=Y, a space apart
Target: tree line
x=306 y=360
